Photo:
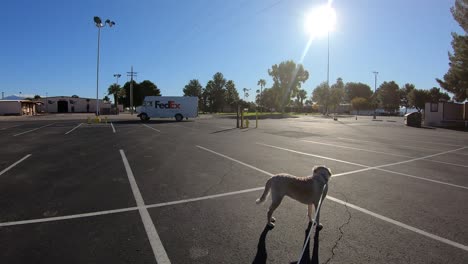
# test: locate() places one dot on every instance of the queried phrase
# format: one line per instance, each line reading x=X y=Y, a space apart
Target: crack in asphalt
x=341 y=231
x=221 y=179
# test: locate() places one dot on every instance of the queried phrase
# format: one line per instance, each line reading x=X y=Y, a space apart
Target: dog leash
x=317 y=211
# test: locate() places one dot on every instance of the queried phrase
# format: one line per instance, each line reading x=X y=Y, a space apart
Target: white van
x=178 y=107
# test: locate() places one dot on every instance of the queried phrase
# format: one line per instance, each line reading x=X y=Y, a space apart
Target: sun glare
x=320 y=21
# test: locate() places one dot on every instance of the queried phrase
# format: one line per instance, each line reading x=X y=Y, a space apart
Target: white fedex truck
x=178 y=107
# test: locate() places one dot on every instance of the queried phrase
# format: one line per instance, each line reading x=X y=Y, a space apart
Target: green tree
x=262 y=84
x=145 y=88
x=321 y=95
x=389 y=96
x=460 y=13
x=269 y=99
x=140 y=90
x=208 y=96
x=37 y=96
x=106 y=98
x=418 y=98
x=456 y=78
x=353 y=90
x=126 y=98
x=360 y=103
x=437 y=96
x=115 y=90
x=287 y=80
x=337 y=94
x=205 y=95
x=194 y=88
x=232 y=96
x=404 y=91
x=218 y=91
x=301 y=96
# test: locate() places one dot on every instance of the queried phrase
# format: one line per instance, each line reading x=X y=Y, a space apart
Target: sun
x=320 y=21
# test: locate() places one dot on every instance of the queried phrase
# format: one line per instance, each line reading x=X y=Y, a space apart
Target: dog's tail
x=265 y=192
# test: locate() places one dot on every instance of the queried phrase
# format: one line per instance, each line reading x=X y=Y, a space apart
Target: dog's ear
x=314 y=169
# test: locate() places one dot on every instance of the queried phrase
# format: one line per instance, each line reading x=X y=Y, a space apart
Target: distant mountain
x=13 y=97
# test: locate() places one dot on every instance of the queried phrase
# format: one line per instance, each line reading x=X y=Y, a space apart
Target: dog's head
x=323 y=172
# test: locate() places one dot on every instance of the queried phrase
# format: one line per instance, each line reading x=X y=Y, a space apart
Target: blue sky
x=50 y=46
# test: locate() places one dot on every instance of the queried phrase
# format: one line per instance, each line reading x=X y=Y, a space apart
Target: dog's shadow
x=261 y=256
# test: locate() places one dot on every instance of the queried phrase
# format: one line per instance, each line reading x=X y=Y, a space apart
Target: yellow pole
x=242 y=118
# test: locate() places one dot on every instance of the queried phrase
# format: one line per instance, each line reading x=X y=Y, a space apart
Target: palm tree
x=246 y=94
x=301 y=96
x=262 y=84
x=115 y=90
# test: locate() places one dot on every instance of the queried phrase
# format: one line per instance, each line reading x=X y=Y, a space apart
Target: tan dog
x=306 y=190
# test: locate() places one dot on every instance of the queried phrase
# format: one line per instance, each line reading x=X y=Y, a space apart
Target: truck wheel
x=144 y=117
x=178 y=117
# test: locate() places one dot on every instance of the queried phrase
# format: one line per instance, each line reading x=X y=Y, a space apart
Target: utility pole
x=3 y=95
x=47 y=102
x=131 y=74
x=375 y=87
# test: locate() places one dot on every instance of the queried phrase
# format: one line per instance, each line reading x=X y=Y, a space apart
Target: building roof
x=21 y=101
x=67 y=97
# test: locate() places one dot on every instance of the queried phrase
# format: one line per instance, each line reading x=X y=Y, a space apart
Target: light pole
x=99 y=25
x=117 y=76
x=328 y=57
x=375 y=87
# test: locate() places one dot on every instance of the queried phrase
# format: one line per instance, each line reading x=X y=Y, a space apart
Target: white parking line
x=74 y=128
x=5 y=128
x=381 y=217
x=360 y=149
x=399 y=145
x=14 y=164
x=377 y=167
x=431 y=143
x=152 y=128
x=205 y=197
x=144 y=207
x=381 y=152
x=153 y=237
x=113 y=129
x=400 y=224
x=58 y=218
x=229 y=158
x=33 y=130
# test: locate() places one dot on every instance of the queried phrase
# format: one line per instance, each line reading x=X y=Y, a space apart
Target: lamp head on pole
x=98 y=21
x=110 y=23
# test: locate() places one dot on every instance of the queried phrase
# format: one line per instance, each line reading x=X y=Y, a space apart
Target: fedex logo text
x=169 y=105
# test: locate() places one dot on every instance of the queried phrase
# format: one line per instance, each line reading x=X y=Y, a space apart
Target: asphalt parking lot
x=170 y=192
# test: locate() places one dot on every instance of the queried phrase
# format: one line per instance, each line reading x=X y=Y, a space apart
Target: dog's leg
x=310 y=211
x=275 y=202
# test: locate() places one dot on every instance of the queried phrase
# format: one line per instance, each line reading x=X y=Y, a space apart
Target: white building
x=68 y=104
x=445 y=114
x=17 y=107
